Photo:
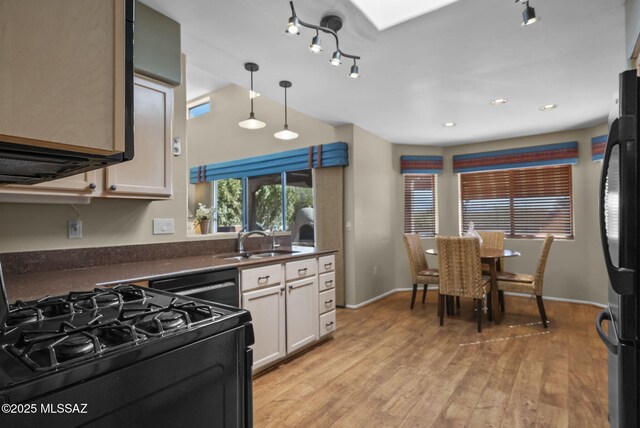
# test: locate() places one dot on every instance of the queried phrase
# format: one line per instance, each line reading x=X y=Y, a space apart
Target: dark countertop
x=31 y=286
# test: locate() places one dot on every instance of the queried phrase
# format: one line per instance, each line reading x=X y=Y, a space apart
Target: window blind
x=420 y=204
x=524 y=203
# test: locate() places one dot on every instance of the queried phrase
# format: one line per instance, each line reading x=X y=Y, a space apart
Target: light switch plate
x=163 y=226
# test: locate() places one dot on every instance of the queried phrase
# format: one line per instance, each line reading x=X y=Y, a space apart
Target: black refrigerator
x=620 y=227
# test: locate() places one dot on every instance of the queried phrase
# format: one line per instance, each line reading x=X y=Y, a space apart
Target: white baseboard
x=433 y=287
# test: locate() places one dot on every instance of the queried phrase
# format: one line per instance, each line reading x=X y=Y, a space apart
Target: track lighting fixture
x=528 y=14
x=329 y=24
x=354 y=74
x=285 y=134
x=336 y=59
x=315 y=46
x=252 y=122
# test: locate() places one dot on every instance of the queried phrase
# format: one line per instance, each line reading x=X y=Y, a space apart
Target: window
x=282 y=201
x=420 y=204
x=525 y=202
x=198 y=108
x=227 y=197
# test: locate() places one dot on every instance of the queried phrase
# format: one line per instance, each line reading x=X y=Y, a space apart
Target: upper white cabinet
x=149 y=173
x=62 y=74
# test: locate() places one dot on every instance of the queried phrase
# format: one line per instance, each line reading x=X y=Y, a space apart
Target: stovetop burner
x=74 y=346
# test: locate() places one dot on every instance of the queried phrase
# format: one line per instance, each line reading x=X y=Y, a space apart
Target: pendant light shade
x=251 y=122
x=285 y=133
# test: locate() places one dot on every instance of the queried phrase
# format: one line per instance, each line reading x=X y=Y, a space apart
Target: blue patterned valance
x=420 y=164
x=598 y=144
x=550 y=154
x=322 y=156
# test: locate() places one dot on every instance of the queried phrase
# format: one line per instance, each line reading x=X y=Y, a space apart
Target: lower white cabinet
x=302 y=313
x=267 y=307
x=289 y=308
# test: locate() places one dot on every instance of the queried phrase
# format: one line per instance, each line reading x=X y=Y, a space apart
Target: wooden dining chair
x=529 y=284
x=461 y=273
x=420 y=271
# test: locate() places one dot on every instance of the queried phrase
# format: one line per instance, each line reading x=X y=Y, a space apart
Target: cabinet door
x=149 y=173
x=302 y=313
x=81 y=185
x=267 y=307
x=63 y=74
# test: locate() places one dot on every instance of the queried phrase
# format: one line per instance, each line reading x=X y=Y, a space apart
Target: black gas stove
x=125 y=355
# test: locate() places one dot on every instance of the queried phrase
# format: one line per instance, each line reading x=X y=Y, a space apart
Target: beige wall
x=105 y=222
x=575 y=269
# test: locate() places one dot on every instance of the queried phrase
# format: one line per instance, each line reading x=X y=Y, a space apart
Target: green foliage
x=229 y=202
x=268 y=206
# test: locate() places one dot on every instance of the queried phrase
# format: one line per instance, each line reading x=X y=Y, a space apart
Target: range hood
x=20 y=164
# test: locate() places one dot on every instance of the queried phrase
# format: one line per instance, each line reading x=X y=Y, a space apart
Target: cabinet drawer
x=327 y=301
x=301 y=269
x=326 y=281
x=327 y=323
x=262 y=276
x=327 y=263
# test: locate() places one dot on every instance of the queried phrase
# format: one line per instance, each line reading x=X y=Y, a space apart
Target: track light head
x=293 y=26
x=354 y=73
x=336 y=59
x=529 y=15
x=315 y=46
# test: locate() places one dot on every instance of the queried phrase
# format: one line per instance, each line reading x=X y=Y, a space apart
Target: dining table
x=492 y=257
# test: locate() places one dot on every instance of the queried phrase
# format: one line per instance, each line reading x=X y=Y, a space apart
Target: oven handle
x=191 y=291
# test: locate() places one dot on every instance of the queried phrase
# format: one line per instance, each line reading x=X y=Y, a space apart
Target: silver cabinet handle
x=327 y=283
x=290 y=288
x=302 y=271
x=281 y=290
x=112 y=187
x=92 y=186
x=263 y=278
x=328 y=265
x=328 y=302
x=329 y=325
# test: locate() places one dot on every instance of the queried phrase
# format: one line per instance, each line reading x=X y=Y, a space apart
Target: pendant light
x=252 y=122
x=285 y=134
x=529 y=15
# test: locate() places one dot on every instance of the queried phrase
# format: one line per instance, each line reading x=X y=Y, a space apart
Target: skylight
x=385 y=14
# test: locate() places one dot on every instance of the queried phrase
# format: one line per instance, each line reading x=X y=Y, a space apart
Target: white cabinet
x=302 y=313
x=149 y=174
x=291 y=306
x=267 y=307
x=327 y=296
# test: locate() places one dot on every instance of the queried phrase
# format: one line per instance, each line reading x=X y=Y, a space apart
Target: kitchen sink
x=260 y=254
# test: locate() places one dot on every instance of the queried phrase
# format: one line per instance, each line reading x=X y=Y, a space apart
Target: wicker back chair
x=529 y=284
x=420 y=272
x=492 y=239
x=461 y=273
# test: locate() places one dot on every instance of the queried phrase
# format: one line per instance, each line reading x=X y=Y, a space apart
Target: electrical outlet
x=74 y=229
x=163 y=226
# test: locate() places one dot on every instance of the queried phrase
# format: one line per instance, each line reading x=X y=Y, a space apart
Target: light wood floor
x=388 y=366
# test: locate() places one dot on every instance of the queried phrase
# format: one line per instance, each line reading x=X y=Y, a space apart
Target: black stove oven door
x=203 y=383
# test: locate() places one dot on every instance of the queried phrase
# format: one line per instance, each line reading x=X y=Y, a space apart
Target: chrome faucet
x=244 y=235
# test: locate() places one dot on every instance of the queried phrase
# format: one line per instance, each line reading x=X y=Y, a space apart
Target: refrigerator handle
x=621 y=278
x=605 y=315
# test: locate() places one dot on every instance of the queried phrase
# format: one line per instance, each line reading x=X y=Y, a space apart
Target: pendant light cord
x=252 y=95
x=285 y=107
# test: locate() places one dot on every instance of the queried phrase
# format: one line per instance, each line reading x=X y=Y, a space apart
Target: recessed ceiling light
x=449 y=124
x=548 y=107
x=499 y=101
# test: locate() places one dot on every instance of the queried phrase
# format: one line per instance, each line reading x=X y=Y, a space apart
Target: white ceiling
x=445 y=66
